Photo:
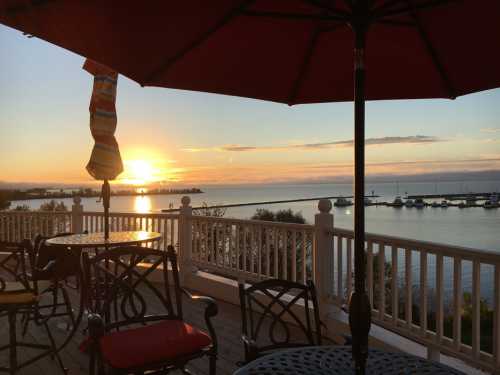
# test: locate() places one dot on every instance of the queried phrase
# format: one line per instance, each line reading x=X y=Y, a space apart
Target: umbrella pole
x=106 y=196
x=359 y=304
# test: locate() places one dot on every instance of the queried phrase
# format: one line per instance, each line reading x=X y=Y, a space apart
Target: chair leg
x=12 y=342
x=69 y=307
x=54 y=349
x=213 y=364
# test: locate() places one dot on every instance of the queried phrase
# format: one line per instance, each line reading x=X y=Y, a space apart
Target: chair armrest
x=211 y=310
x=95 y=326
x=251 y=349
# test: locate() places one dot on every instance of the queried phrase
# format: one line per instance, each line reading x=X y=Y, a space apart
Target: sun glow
x=139 y=172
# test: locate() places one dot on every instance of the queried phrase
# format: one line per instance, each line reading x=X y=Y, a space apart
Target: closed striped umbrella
x=105 y=161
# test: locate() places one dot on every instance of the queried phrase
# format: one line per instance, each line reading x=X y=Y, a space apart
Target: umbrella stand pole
x=106 y=196
x=359 y=304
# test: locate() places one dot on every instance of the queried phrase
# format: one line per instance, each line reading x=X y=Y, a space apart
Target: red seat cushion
x=154 y=343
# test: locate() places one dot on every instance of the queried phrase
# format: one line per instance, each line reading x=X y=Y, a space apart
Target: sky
x=177 y=137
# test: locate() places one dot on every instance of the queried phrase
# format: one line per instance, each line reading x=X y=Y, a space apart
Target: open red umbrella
x=289 y=51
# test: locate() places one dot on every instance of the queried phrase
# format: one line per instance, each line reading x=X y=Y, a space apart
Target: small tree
x=4 y=200
x=284 y=242
x=54 y=206
x=23 y=207
x=205 y=210
x=283 y=216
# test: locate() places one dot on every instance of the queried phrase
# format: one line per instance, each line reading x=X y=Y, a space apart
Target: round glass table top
x=97 y=239
x=337 y=360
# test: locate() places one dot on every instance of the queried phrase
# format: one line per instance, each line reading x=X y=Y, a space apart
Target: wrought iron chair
x=273 y=303
x=50 y=269
x=21 y=297
x=147 y=331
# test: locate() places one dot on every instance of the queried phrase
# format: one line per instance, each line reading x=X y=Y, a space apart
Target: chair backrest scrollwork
x=271 y=306
x=130 y=284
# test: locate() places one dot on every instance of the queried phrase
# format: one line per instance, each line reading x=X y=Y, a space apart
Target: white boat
x=398 y=202
x=419 y=203
x=492 y=202
x=470 y=201
x=409 y=203
x=444 y=204
x=342 y=202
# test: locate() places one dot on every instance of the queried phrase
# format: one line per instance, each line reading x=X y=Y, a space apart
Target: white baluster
x=476 y=312
x=394 y=285
x=408 y=286
x=457 y=303
x=381 y=280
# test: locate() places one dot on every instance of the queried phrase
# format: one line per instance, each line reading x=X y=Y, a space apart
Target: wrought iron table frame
x=333 y=360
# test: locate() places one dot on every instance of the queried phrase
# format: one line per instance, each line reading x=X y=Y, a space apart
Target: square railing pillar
x=77 y=215
x=185 y=240
x=323 y=252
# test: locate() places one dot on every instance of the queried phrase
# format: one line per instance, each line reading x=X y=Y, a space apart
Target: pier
x=453 y=197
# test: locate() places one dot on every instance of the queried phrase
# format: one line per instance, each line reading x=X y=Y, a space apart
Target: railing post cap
x=77 y=199
x=324 y=205
x=185 y=201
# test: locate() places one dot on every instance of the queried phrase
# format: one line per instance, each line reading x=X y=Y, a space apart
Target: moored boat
x=419 y=203
x=398 y=202
x=342 y=202
x=409 y=203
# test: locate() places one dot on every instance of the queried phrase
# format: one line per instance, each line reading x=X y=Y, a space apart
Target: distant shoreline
x=87 y=193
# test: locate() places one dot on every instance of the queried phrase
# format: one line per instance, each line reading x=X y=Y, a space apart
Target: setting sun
x=138 y=172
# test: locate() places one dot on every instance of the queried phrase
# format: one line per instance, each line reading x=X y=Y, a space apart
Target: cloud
x=341 y=172
x=414 y=139
x=490 y=130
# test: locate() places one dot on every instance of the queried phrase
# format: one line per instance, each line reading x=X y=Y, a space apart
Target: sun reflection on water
x=142 y=204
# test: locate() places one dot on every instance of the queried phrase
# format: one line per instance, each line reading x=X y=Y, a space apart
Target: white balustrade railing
x=253 y=249
x=18 y=225
x=166 y=224
x=420 y=293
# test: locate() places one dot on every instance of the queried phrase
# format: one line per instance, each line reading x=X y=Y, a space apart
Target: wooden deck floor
x=227 y=326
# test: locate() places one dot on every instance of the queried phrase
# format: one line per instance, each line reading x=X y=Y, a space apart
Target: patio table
x=93 y=240
x=332 y=360
x=83 y=242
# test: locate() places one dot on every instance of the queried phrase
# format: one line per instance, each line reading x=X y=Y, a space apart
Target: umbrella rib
x=304 y=66
x=389 y=4
x=409 y=8
x=396 y=23
x=197 y=42
x=293 y=16
x=432 y=52
x=330 y=9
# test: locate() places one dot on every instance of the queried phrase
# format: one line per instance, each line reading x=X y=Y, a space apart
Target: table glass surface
x=97 y=239
x=330 y=360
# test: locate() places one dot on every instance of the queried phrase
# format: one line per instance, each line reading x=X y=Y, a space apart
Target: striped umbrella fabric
x=105 y=161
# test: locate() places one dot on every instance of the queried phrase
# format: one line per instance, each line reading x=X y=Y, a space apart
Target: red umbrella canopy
x=289 y=51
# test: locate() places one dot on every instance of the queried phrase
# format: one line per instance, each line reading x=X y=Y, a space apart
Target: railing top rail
x=21 y=213
x=485 y=256
x=132 y=214
x=261 y=223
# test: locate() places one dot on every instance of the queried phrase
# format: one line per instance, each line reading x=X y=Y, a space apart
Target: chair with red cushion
x=135 y=316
